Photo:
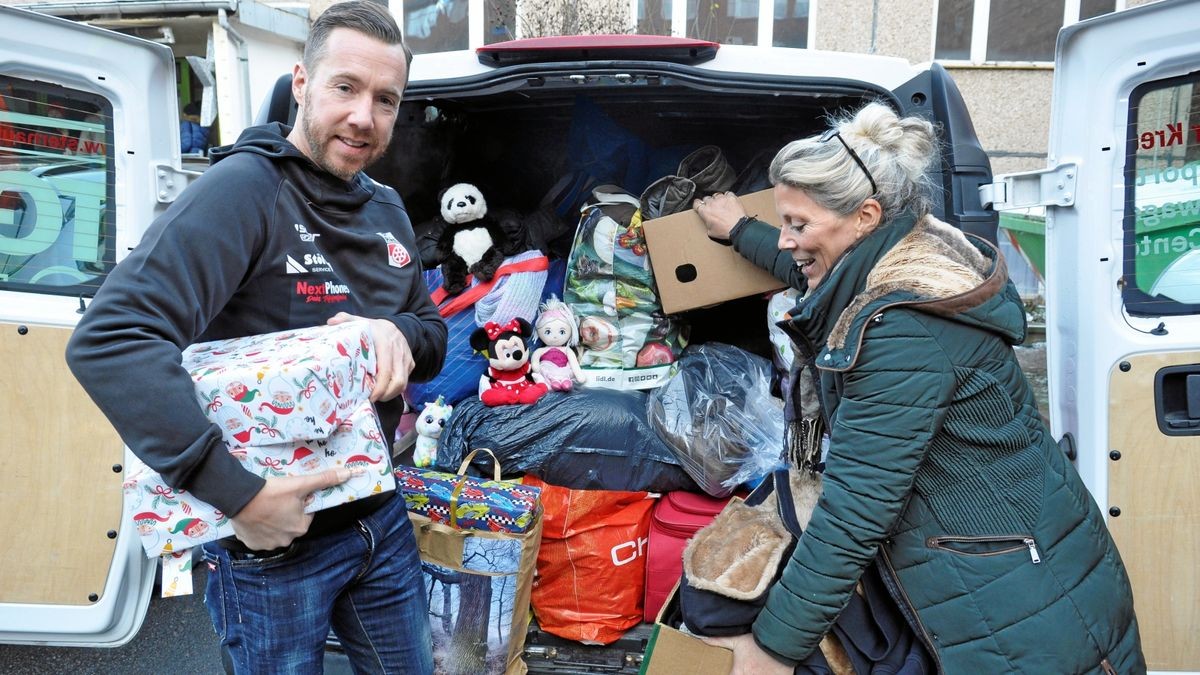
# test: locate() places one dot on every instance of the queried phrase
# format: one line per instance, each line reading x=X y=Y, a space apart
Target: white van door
x=1123 y=298
x=88 y=141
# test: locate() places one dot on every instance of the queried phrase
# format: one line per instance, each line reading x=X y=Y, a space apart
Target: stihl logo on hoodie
x=397 y=255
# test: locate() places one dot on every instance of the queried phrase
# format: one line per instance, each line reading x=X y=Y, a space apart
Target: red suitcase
x=676 y=517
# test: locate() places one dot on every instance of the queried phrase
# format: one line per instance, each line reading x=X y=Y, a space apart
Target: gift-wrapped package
x=288 y=403
x=467 y=502
x=167 y=519
x=171 y=520
x=285 y=386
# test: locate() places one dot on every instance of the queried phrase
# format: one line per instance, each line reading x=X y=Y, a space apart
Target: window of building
x=56 y=188
x=780 y=23
x=653 y=17
x=791 y=23
x=436 y=25
x=1162 y=206
x=499 y=21
x=732 y=22
x=444 y=25
x=987 y=31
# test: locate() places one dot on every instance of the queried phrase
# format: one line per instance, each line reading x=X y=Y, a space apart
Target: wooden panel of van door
x=1153 y=483
x=61 y=497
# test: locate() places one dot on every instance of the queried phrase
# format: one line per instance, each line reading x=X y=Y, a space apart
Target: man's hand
x=276 y=514
x=393 y=357
x=748 y=657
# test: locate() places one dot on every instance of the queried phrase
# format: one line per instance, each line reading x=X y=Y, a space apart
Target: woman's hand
x=720 y=212
x=748 y=657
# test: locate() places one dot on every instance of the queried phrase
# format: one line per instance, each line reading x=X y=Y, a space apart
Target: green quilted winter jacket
x=940 y=468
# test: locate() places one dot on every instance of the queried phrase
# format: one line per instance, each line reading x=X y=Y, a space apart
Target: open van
x=518 y=119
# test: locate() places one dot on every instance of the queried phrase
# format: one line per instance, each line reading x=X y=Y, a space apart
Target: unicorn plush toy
x=429 y=426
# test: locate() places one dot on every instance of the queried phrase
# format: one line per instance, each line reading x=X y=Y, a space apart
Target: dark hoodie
x=263 y=241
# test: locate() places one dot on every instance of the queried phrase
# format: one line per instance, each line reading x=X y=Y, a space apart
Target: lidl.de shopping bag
x=626 y=341
x=478 y=583
x=591 y=568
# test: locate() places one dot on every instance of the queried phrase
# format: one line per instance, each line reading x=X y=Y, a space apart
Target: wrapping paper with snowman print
x=285 y=386
x=169 y=520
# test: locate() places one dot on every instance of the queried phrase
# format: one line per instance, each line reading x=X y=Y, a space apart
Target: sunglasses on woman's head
x=834 y=133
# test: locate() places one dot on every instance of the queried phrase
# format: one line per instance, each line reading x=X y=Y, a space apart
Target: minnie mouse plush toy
x=509 y=378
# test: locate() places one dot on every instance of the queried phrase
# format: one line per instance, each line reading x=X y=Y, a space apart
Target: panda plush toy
x=471 y=242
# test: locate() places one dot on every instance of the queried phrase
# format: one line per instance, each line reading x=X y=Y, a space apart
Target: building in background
x=999 y=52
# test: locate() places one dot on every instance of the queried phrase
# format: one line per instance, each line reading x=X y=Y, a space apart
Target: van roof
x=882 y=71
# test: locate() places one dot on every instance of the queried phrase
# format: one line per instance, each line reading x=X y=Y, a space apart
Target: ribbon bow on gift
x=494 y=329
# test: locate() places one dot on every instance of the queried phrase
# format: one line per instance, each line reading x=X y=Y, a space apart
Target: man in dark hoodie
x=283 y=231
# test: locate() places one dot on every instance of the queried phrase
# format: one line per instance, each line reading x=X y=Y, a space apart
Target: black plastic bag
x=584 y=439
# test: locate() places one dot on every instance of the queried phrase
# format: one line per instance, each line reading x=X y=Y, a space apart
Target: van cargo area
x=517 y=143
x=522 y=132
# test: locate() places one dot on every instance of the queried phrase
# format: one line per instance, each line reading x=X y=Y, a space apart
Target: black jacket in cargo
x=263 y=241
x=940 y=467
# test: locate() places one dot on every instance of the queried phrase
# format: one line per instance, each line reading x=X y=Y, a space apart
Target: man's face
x=348 y=102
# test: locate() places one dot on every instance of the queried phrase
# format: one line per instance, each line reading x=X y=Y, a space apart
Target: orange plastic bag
x=591 y=566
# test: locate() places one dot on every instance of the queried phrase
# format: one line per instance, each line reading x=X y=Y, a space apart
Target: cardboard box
x=673 y=652
x=693 y=271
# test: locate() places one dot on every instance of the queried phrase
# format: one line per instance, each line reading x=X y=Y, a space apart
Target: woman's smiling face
x=815 y=236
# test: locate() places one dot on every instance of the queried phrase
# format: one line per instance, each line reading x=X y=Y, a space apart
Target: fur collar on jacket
x=935 y=268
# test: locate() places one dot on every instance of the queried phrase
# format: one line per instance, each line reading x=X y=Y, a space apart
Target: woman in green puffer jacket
x=939 y=471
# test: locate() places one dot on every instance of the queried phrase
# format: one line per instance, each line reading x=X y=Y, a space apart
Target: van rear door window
x=1162 y=211
x=56 y=189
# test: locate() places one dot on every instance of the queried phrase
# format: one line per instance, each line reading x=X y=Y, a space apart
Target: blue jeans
x=274 y=613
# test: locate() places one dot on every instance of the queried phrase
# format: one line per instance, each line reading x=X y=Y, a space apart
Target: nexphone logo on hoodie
x=322 y=291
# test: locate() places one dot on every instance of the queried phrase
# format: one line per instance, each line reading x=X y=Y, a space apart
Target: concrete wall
x=901 y=28
x=1010 y=105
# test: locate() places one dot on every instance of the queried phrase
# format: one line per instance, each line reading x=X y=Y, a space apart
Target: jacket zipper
x=892 y=581
x=1018 y=541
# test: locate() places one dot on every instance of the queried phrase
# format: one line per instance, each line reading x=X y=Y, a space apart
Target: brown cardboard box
x=673 y=652
x=694 y=271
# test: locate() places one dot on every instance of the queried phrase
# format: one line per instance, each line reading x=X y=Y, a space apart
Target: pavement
x=177 y=636
x=1032 y=357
